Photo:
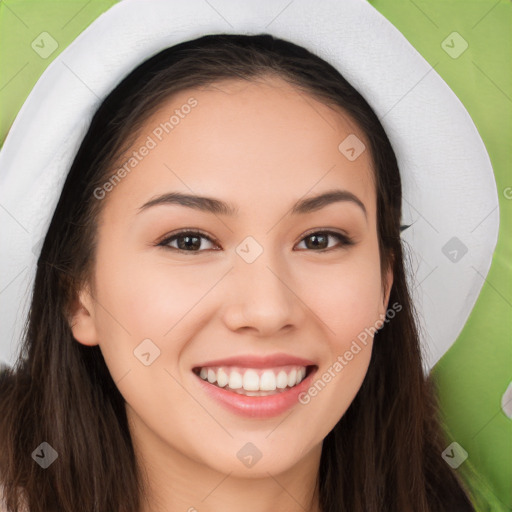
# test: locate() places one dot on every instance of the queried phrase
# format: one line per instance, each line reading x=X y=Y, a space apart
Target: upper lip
x=268 y=361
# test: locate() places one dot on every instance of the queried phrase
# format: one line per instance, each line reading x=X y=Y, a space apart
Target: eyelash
x=345 y=240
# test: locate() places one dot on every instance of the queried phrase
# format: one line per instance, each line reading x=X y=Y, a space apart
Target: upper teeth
x=252 y=379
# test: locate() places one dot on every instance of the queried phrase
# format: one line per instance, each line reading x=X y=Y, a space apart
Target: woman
x=296 y=283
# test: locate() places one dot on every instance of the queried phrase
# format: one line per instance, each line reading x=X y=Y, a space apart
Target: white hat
x=448 y=182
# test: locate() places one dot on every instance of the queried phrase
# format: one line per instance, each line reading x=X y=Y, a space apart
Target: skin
x=260 y=146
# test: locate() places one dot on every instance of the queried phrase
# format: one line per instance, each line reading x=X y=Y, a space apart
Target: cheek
x=146 y=297
x=347 y=299
x=347 y=296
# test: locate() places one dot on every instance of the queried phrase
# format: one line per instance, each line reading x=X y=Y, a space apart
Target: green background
x=476 y=371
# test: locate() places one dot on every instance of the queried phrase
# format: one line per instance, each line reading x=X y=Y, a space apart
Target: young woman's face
x=265 y=280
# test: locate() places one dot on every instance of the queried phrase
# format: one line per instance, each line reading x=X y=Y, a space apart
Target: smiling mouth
x=255 y=381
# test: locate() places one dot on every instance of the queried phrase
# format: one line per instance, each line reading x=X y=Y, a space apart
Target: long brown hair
x=384 y=455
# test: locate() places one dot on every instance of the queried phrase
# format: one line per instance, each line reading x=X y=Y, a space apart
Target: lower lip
x=257 y=406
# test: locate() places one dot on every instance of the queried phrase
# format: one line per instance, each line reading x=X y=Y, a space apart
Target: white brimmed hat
x=448 y=181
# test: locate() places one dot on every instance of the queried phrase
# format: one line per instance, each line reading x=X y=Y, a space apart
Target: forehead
x=248 y=140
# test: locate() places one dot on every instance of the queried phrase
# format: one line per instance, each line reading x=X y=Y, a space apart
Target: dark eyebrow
x=205 y=204
x=216 y=206
x=312 y=204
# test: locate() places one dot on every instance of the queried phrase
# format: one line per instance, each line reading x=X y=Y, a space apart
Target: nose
x=262 y=297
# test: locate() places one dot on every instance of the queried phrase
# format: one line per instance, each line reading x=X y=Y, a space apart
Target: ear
x=82 y=318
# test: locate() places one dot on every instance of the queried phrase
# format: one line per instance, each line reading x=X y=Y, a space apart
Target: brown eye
x=319 y=240
x=187 y=241
x=191 y=241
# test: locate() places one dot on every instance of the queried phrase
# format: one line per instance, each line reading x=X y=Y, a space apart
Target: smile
x=253 y=381
x=255 y=392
